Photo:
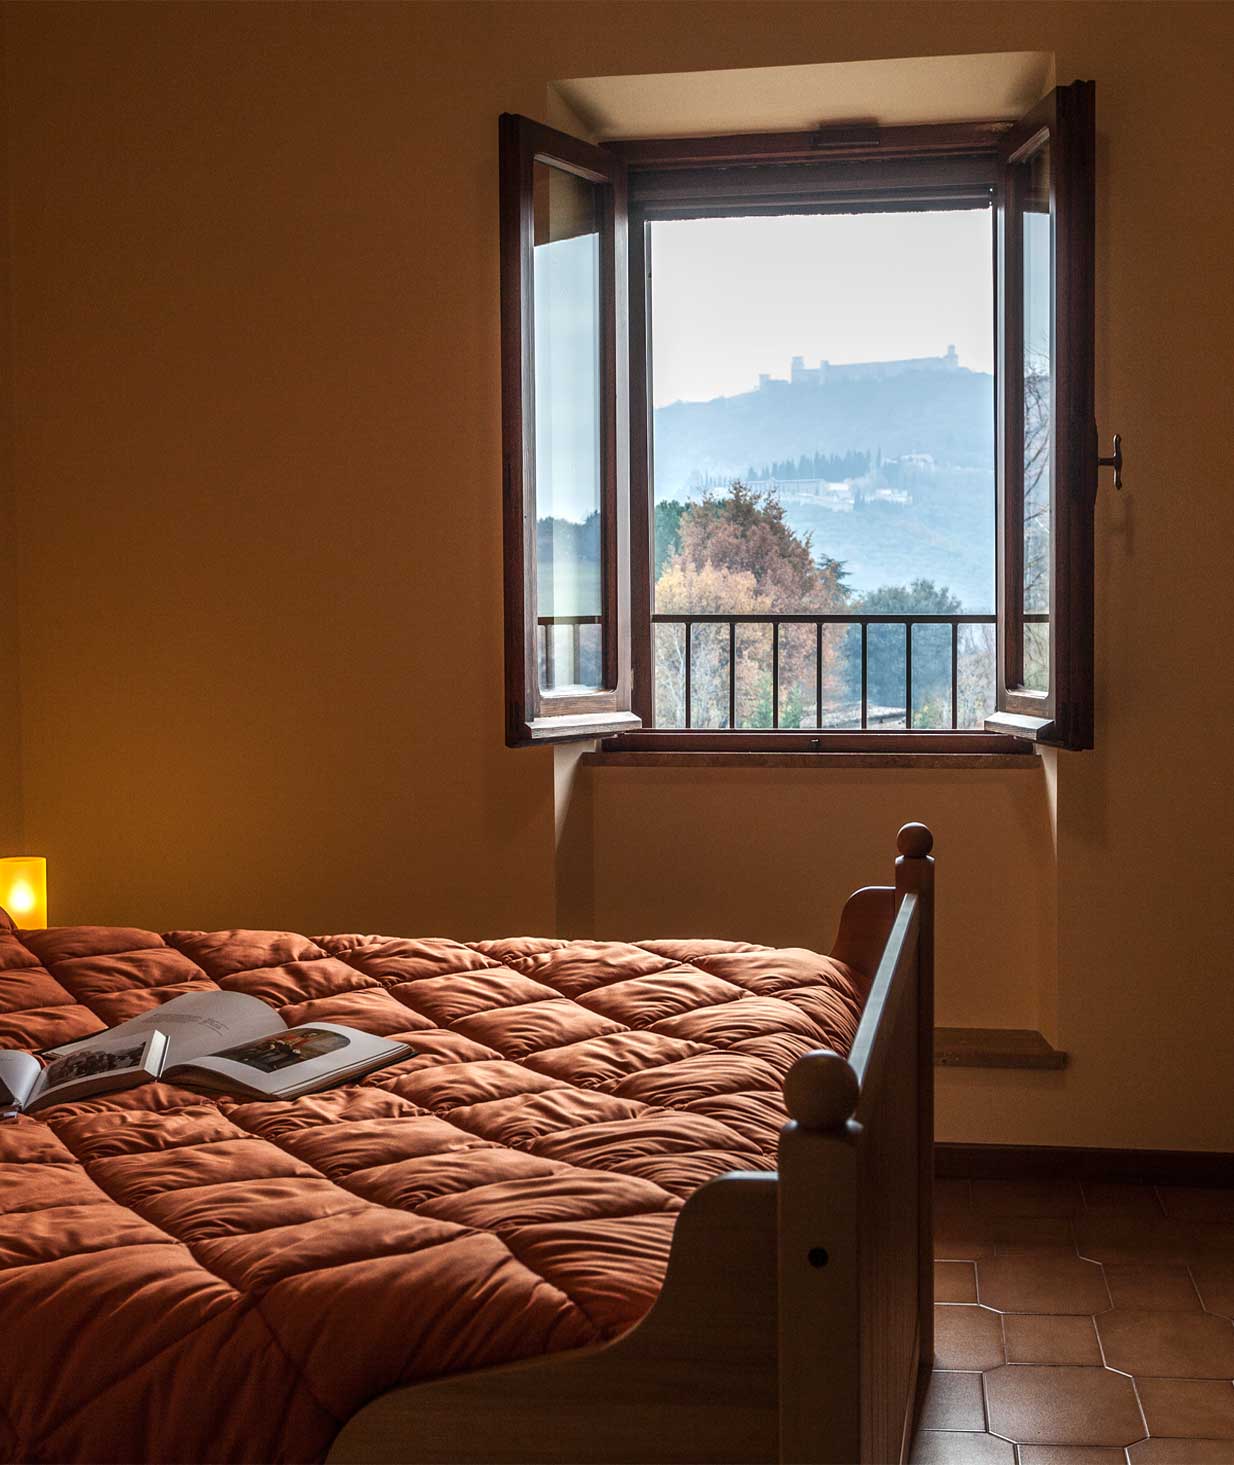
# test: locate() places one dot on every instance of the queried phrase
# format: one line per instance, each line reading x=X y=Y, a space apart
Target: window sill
x=804 y=750
x=918 y=761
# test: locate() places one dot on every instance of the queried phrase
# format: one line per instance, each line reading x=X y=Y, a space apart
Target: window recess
x=580 y=512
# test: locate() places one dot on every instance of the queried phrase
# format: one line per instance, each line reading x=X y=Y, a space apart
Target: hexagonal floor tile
x=1033 y=1338
x=1215 y=1281
x=1179 y=1408
x=967 y=1338
x=934 y=1447
x=1191 y=1345
x=1041 y=1282
x=1071 y=1455
x=1152 y=1289
x=1183 y=1452
x=1062 y=1406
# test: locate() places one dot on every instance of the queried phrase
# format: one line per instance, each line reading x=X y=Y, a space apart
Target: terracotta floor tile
x=967 y=1338
x=1041 y=1282
x=1156 y=1289
x=1034 y=1338
x=1202 y=1408
x=1032 y=1233
x=1214 y=1279
x=953 y=1401
x=1070 y=1455
x=956 y=1282
x=1027 y=1197
x=963 y=1236
x=1209 y=1239
x=1063 y=1406
x=1183 y=1452
x=1168 y=1344
x=1139 y=1201
x=1110 y=1237
x=937 y=1447
x=1185 y=1203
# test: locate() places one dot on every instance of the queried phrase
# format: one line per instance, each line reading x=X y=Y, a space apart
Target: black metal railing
x=862 y=713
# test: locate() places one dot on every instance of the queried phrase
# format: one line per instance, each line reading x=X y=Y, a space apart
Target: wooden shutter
x=1047 y=436
x=565 y=430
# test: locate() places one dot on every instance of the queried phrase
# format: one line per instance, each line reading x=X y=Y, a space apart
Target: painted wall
x=256 y=450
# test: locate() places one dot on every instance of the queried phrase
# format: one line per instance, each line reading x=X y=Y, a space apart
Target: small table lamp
x=23 y=890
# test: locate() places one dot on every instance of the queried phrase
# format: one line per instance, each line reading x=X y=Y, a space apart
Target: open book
x=80 y=1072
x=223 y=1042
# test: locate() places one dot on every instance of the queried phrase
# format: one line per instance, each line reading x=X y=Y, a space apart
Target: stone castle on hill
x=852 y=371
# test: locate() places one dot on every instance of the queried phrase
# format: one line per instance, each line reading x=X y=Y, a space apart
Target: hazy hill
x=946 y=533
x=949 y=415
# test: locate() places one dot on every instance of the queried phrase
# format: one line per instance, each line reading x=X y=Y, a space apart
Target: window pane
x=568 y=338
x=1038 y=405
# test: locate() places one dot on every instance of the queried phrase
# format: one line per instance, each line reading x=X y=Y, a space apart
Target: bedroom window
x=889 y=545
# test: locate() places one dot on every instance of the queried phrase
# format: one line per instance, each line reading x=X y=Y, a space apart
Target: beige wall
x=256 y=448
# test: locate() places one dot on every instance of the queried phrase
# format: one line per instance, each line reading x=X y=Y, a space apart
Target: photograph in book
x=105 y=1063
x=228 y=1042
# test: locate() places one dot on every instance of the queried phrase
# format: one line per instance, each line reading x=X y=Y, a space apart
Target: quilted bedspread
x=199 y=1279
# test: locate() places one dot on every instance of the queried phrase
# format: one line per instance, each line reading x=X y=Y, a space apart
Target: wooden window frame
x=846 y=170
x=841 y=169
x=535 y=714
x=1063 y=713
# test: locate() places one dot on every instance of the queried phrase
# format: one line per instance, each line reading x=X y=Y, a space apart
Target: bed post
x=856 y=1293
x=915 y=872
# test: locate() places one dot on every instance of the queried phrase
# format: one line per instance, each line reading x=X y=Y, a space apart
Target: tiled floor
x=1081 y=1325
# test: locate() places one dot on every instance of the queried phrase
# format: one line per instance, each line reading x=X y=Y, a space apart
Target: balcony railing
x=804 y=671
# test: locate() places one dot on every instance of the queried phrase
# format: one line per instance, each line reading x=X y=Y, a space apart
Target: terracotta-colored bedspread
x=191 y=1279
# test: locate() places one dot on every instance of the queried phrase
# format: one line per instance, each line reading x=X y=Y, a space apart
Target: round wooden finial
x=914 y=841
x=821 y=1090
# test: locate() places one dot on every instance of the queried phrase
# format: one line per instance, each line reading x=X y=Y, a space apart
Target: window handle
x=1115 y=460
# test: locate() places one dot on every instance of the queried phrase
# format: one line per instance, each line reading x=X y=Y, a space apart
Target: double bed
x=574 y=1225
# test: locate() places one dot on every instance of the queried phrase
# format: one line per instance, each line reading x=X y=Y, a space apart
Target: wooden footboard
x=795 y=1316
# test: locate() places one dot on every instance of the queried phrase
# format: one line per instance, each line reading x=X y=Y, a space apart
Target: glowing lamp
x=23 y=891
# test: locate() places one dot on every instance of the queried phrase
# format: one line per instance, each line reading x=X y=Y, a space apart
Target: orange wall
x=256 y=448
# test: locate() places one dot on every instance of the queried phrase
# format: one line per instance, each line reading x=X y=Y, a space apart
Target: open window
x=565 y=411
x=1047 y=459
x=596 y=643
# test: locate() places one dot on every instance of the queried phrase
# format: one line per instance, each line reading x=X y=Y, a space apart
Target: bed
x=574 y=1226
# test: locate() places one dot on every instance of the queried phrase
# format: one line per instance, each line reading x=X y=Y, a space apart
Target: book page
x=195 y=1023
x=101 y=1069
x=293 y=1060
x=19 y=1077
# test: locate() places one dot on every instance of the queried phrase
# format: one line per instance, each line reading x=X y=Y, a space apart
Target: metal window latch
x=1115 y=461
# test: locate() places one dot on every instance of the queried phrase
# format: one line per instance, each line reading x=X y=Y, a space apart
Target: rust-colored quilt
x=197 y=1279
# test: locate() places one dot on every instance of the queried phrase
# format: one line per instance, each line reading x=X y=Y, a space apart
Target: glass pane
x=1038 y=394
x=568 y=334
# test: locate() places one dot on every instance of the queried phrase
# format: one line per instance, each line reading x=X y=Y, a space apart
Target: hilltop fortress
x=825 y=372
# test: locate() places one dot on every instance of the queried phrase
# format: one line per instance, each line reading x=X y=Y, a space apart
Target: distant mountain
x=948 y=414
x=929 y=434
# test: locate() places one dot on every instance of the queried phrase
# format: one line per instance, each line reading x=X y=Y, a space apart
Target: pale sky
x=735 y=297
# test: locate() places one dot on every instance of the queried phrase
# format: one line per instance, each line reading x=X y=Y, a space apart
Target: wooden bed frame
x=795 y=1323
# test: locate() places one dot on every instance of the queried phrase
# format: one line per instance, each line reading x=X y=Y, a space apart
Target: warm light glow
x=23 y=891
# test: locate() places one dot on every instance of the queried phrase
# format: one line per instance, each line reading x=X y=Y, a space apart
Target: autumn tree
x=739 y=556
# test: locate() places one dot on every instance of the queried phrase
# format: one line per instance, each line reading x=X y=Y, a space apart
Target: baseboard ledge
x=1064 y=1162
